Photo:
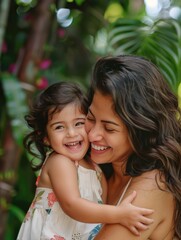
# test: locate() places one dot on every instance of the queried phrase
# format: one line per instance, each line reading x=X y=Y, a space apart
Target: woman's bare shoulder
x=152 y=193
x=151 y=180
x=149 y=195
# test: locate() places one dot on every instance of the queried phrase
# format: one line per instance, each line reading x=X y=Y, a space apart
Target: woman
x=134 y=123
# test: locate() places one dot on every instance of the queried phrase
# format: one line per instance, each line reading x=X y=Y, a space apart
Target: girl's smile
x=66 y=132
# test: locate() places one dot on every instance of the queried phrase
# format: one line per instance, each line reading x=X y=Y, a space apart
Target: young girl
x=71 y=189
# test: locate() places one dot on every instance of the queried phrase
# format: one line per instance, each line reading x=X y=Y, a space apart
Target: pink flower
x=44 y=64
x=12 y=68
x=41 y=83
x=61 y=32
x=4 y=47
x=28 y=17
x=56 y=237
x=51 y=199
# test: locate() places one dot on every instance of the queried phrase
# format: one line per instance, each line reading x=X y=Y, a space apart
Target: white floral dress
x=45 y=220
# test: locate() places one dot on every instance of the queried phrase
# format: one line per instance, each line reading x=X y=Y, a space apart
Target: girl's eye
x=80 y=123
x=59 y=127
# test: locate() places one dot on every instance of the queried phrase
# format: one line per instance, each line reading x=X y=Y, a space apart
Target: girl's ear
x=46 y=141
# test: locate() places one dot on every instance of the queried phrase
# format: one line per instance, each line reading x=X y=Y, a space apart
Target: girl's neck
x=86 y=164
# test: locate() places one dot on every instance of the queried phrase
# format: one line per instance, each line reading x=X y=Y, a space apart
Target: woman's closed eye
x=90 y=118
x=109 y=129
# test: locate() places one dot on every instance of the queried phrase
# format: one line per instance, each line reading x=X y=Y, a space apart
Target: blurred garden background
x=45 y=41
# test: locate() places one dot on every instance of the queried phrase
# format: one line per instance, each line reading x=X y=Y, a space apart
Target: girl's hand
x=135 y=218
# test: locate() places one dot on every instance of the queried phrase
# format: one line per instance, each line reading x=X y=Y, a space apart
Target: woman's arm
x=148 y=196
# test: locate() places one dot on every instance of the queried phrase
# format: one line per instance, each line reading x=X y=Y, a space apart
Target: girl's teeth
x=72 y=144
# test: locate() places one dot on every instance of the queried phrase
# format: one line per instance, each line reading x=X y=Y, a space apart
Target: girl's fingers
x=146 y=211
x=141 y=226
x=146 y=221
x=134 y=230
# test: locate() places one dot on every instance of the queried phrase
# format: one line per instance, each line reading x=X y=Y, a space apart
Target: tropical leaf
x=160 y=42
x=17 y=212
x=16 y=105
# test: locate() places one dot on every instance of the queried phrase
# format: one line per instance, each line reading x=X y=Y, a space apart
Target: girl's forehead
x=70 y=109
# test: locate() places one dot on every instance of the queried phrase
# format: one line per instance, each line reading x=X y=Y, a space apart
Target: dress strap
x=38 y=178
x=98 y=171
x=125 y=189
x=77 y=164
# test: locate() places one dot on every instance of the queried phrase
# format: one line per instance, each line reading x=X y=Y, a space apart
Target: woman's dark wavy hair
x=144 y=102
x=51 y=100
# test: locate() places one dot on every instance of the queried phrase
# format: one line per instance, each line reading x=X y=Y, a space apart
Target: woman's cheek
x=87 y=126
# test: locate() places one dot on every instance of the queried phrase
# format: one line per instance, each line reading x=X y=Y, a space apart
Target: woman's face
x=107 y=133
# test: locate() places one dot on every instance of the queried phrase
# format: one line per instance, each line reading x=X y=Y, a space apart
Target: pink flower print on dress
x=55 y=237
x=27 y=217
x=51 y=199
x=37 y=180
x=37 y=198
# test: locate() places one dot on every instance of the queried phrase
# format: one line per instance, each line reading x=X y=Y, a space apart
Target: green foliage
x=159 y=42
x=73 y=51
x=17 y=212
x=16 y=105
x=79 y=2
x=8 y=175
x=23 y=195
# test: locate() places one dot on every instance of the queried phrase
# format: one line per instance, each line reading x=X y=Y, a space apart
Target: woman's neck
x=119 y=170
x=117 y=183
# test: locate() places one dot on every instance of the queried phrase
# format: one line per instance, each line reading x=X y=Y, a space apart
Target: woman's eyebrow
x=90 y=112
x=104 y=121
x=110 y=122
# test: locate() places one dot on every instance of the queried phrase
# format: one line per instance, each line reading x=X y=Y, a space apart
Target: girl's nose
x=71 y=132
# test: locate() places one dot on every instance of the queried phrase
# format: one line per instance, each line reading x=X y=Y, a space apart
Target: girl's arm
x=63 y=176
x=104 y=188
x=148 y=196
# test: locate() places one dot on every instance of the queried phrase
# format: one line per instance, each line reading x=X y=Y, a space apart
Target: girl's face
x=66 y=132
x=107 y=133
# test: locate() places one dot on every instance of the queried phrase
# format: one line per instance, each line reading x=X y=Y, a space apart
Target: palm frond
x=159 y=42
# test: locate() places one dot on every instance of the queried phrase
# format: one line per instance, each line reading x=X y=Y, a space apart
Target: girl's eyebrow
x=104 y=121
x=63 y=122
x=55 y=123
